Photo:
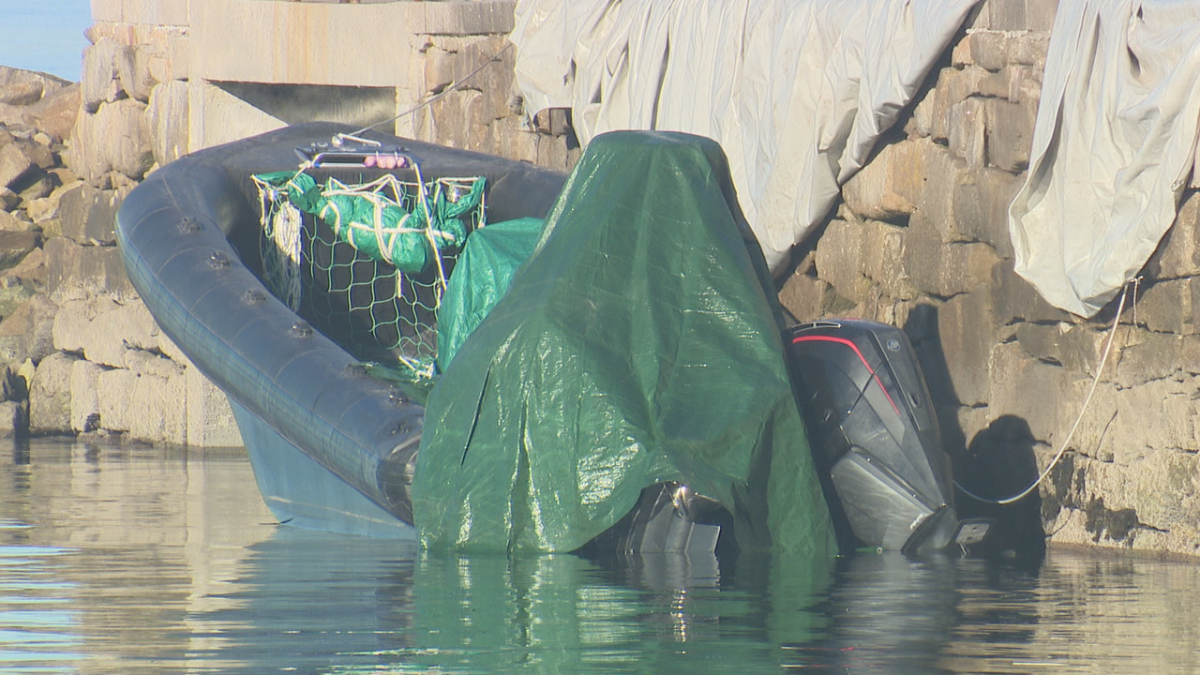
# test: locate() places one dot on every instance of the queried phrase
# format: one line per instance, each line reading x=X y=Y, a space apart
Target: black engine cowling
x=875 y=437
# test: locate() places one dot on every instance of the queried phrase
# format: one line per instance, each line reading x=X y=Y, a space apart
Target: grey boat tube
x=180 y=232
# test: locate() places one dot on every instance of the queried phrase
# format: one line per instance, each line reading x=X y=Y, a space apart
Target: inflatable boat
x=614 y=377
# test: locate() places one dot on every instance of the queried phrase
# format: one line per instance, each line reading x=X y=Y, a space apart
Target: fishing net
x=367 y=263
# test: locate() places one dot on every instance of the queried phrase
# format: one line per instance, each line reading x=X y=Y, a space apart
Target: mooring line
x=1082 y=410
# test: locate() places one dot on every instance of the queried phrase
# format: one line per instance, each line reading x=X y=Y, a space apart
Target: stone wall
x=919 y=240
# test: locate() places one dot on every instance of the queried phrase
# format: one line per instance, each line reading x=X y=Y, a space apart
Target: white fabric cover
x=796 y=91
x=1113 y=146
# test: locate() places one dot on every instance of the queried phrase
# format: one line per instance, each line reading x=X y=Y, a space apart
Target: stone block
x=954 y=86
x=883 y=260
x=1077 y=347
x=28 y=332
x=105 y=331
x=167 y=119
x=75 y=272
x=14 y=165
x=1017 y=300
x=935 y=206
x=85 y=404
x=514 y=142
x=210 y=421
x=440 y=69
x=980 y=208
x=966 y=130
x=89 y=215
x=100 y=80
x=986 y=49
x=1022 y=386
x=133 y=72
x=888 y=187
x=14 y=246
x=50 y=395
x=804 y=296
x=462 y=18
x=945 y=270
x=11 y=223
x=41 y=210
x=1010 y=133
x=1171 y=306
x=145 y=407
x=838 y=260
x=39 y=155
x=13 y=296
x=1029 y=49
x=1148 y=356
x=554 y=152
x=1020 y=15
x=114 y=138
x=966 y=325
x=149 y=363
x=55 y=114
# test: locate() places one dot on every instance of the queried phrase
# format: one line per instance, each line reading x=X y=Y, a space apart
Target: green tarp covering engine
x=638 y=344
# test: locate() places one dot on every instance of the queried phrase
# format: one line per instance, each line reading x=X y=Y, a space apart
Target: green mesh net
x=367 y=263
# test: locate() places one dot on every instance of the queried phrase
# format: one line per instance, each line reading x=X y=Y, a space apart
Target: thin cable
x=1062 y=448
x=430 y=101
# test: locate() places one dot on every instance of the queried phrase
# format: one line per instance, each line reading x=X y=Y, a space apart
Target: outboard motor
x=875 y=438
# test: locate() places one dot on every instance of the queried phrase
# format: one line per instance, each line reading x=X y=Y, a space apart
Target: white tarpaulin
x=796 y=91
x=1112 y=149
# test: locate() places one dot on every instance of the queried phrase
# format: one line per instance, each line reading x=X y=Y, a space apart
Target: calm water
x=159 y=561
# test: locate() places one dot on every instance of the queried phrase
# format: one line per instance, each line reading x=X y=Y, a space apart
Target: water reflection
x=154 y=561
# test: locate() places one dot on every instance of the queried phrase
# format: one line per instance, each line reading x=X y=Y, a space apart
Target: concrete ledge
x=160 y=12
x=334 y=44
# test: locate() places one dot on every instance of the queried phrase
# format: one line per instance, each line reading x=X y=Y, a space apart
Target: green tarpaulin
x=637 y=344
x=481 y=277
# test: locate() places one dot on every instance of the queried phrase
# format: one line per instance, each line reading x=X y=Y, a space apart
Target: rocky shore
x=80 y=353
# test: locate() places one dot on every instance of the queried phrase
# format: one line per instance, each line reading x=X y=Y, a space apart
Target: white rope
x=1083 y=409
x=283 y=224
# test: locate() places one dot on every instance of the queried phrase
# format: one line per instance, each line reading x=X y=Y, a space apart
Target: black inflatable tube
x=175 y=232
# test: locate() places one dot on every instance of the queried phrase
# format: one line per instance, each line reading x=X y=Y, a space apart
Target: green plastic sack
x=638 y=344
x=481 y=277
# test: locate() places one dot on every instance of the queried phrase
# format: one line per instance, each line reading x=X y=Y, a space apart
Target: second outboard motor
x=875 y=437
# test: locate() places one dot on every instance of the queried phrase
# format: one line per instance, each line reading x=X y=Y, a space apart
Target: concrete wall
x=919 y=240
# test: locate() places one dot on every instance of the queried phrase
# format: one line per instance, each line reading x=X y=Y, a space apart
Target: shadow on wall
x=998 y=463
